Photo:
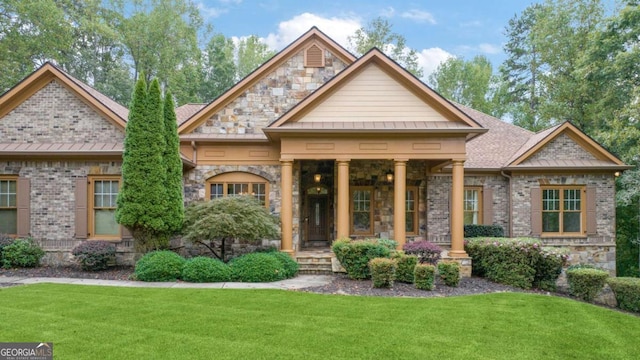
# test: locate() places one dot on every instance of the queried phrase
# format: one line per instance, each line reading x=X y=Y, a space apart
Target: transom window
x=472 y=205
x=8 y=207
x=411 y=210
x=562 y=210
x=103 y=192
x=362 y=210
x=238 y=183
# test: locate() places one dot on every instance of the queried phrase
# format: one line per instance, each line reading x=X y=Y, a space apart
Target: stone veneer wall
x=596 y=249
x=56 y=115
x=272 y=96
x=52 y=203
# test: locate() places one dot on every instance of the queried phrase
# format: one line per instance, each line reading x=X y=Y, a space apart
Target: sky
x=435 y=29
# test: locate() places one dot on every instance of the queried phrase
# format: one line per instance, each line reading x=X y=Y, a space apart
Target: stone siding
x=561 y=148
x=271 y=96
x=56 y=115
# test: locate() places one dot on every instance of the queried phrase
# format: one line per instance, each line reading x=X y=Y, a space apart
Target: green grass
x=90 y=322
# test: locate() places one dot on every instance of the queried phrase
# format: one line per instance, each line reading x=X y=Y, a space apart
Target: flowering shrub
x=424 y=276
x=426 y=251
x=520 y=262
x=94 y=255
x=383 y=272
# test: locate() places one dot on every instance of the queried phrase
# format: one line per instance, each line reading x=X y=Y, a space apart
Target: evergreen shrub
x=203 y=269
x=449 y=273
x=94 y=255
x=585 y=284
x=22 y=253
x=383 y=272
x=355 y=255
x=627 y=292
x=424 y=276
x=161 y=265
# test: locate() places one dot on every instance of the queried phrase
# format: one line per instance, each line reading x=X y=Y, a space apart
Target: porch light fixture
x=317 y=178
x=389 y=176
x=617 y=173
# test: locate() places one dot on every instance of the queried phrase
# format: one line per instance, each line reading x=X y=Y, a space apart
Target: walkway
x=299 y=282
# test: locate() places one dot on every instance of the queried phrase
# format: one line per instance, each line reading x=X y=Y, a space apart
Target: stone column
x=399 y=201
x=286 y=211
x=342 y=213
x=457 y=210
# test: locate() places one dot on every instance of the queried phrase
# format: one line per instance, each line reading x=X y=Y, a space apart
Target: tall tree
x=142 y=200
x=161 y=37
x=468 y=82
x=378 y=33
x=174 y=214
x=218 y=67
x=251 y=54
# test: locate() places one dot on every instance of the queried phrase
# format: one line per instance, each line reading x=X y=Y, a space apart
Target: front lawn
x=90 y=322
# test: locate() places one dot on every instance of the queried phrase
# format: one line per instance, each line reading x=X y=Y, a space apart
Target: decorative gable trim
x=576 y=135
x=45 y=75
x=376 y=57
x=314 y=35
x=314 y=56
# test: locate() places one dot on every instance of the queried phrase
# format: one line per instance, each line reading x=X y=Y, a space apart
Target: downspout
x=509 y=205
x=194 y=157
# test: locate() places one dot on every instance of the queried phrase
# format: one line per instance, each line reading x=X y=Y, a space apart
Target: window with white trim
x=103 y=196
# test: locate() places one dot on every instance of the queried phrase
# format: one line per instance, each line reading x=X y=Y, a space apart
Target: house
x=338 y=146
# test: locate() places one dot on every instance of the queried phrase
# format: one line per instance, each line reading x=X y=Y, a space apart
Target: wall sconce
x=616 y=174
x=389 y=176
x=317 y=178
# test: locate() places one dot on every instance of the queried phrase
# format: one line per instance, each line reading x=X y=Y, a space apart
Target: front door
x=317 y=220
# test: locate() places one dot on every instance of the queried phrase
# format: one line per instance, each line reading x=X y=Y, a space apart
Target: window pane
x=7 y=193
x=362 y=222
x=470 y=218
x=571 y=222
x=105 y=223
x=551 y=200
x=217 y=191
x=97 y=200
x=572 y=200
x=8 y=221
x=551 y=222
x=12 y=200
x=409 y=223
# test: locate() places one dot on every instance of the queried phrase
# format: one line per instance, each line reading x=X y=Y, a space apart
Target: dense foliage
x=161 y=265
x=22 y=253
x=95 y=255
x=203 y=269
x=289 y=264
x=355 y=255
x=173 y=216
x=257 y=267
x=449 y=273
x=471 y=231
x=5 y=240
x=406 y=266
x=214 y=223
x=427 y=252
x=424 y=276
x=627 y=292
x=586 y=283
x=383 y=272
x=519 y=262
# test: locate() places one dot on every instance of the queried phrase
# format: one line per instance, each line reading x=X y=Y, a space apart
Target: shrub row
x=519 y=262
x=20 y=253
x=471 y=231
x=627 y=292
x=586 y=283
x=449 y=273
x=424 y=275
x=383 y=272
x=166 y=265
x=355 y=255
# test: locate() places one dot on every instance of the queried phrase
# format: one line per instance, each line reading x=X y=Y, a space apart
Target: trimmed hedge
x=424 y=276
x=290 y=266
x=383 y=272
x=586 y=283
x=204 y=269
x=257 y=267
x=471 y=231
x=355 y=255
x=427 y=252
x=449 y=273
x=406 y=266
x=627 y=292
x=21 y=253
x=162 y=265
x=94 y=255
x=520 y=262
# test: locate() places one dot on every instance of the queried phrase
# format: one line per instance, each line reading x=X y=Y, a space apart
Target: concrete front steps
x=315 y=262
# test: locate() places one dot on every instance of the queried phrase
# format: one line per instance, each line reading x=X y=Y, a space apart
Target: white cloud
x=419 y=16
x=339 y=29
x=489 y=48
x=429 y=59
x=388 y=12
x=210 y=12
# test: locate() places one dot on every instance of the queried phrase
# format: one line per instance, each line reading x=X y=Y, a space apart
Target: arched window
x=238 y=183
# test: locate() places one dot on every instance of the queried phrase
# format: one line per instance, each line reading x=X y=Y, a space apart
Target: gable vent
x=313 y=56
